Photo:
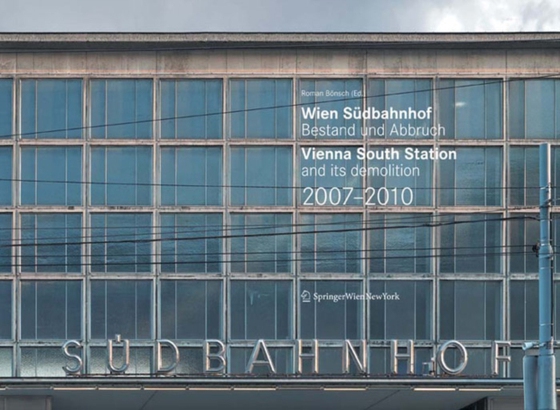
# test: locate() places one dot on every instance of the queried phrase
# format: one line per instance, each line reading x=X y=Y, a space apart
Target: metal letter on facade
x=349 y=350
x=77 y=369
x=441 y=357
x=313 y=356
x=126 y=354
x=497 y=357
x=219 y=355
x=254 y=361
x=159 y=360
x=396 y=356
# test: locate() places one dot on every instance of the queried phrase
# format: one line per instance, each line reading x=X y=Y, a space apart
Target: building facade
x=241 y=196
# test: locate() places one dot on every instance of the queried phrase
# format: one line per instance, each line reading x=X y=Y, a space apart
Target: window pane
x=400 y=243
x=401 y=310
x=6 y=111
x=471 y=109
x=474 y=178
x=400 y=181
x=332 y=96
x=51 y=108
x=470 y=243
x=191 y=309
x=461 y=319
x=51 y=176
x=191 y=109
x=400 y=95
x=523 y=186
x=250 y=119
x=261 y=243
x=523 y=235
x=121 y=307
x=5 y=309
x=6 y=176
x=524 y=310
x=191 y=176
x=533 y=108
x=121 y=176
x=51 y=242
x=261 y=176
x=261 y=310
x=141 y=360
x=51 y=310
x=121 y=109
x=331 y=310
x=181 y=252
x=323 y=182
x=333 y=243
x=6 y=241
x=42 y=362
x=121 y=242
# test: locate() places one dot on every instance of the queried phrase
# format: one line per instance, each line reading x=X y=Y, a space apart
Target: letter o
x=441 y=357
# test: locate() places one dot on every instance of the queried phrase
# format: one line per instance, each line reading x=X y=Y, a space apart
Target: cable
x=150 y=184
x=483 y=82
x=148 y=240
x=276 y=261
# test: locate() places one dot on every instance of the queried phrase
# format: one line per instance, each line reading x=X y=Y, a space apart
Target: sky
x=279 y=15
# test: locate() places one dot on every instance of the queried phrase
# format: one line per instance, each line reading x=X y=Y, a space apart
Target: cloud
x=497 y=15
x=279 y=15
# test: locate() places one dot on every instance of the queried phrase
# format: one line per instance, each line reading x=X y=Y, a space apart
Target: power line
x=276 y=261
x=230 y=236
x=150 y=184
x=483 y=82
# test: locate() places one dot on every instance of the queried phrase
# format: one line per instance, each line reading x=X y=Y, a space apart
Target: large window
x=121 y=242
x=191 y=243
x=191 y=309
x=523 y=235
x=252 y=113
x=474 y=178
x=402 y=94
x=191 y=176
x=331 y=95
x=51 y=310
x=6 y=93
x=51 y=108
x=322 y=182
x=331 y=310
x=121 y=307
x=400 y=309
x=121 y=176
x=121 y=109
x=6 y=242
x=470 y=243
x=191 y=109
x=51 y=242
x=6 y=175
x=533 y=108
x=471 y=109
x=399 y=181
x=261 y=176
x=261 y=242
x=5 y=309
x=400 y=243
x=523 y=187
x=261 y=310
x=51 y=176
x=331 y=243
x=524 y=310
x=461 y=319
